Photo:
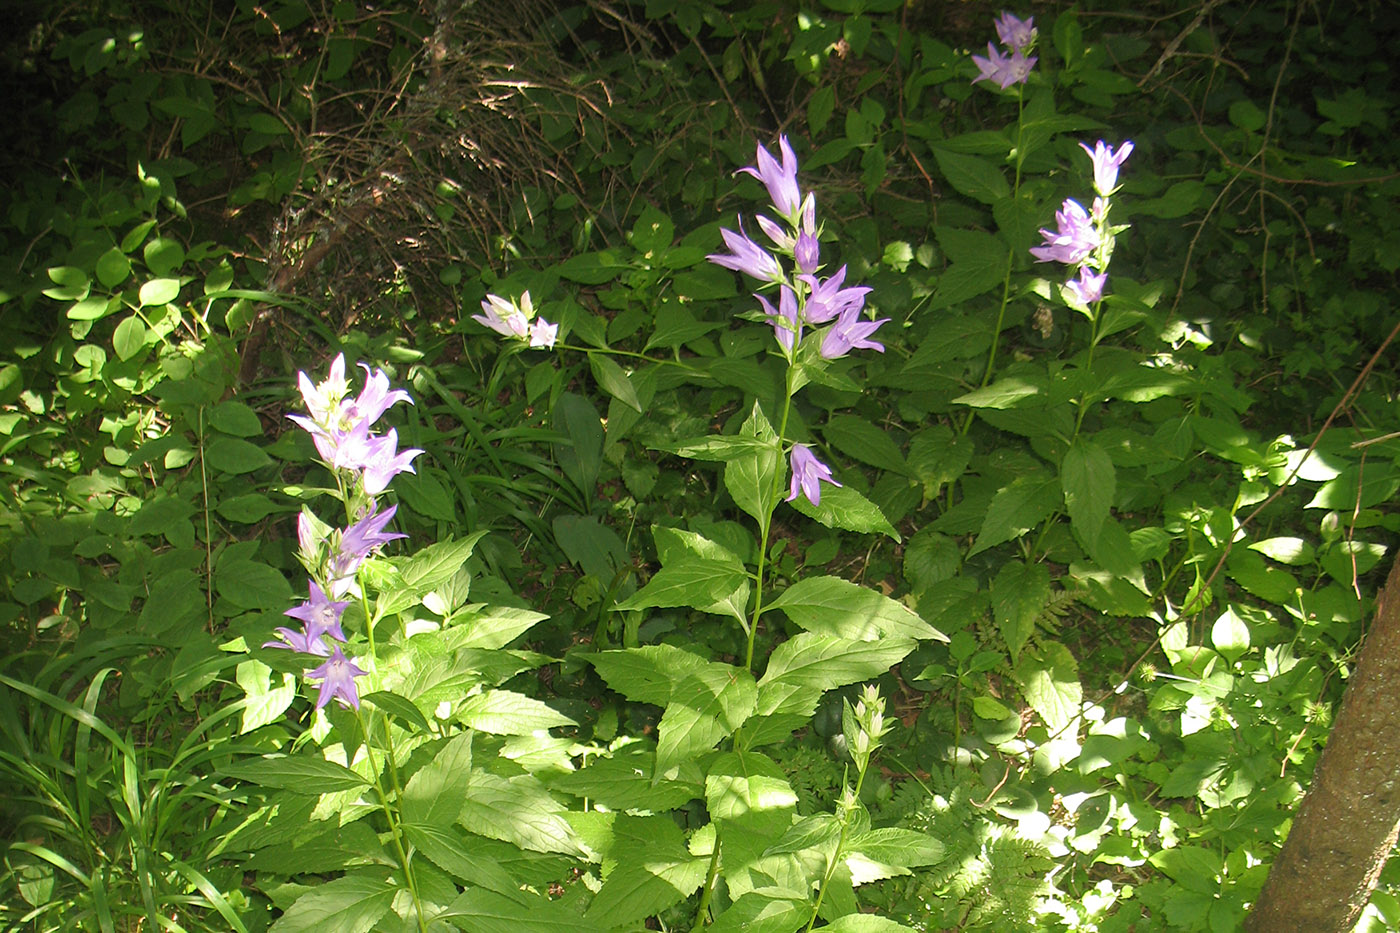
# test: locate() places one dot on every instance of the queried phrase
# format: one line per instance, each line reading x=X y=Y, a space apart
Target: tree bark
x=1347 y=824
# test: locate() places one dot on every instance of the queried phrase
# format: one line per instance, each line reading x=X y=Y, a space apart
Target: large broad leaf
x=865 y=923
x=884 y=853
x=751 y=802
x=865 y=441
x=832 y=606
x=764 y=912
x=697 y=583
x=1019 y=594
x=435 y=793
x=517 y=810
x=437 y=563
x=1088 y=480
x=808 y=663
x=350 y=904
x=843 y=507
x=448 y=848
x=653 y=870
x=1016 y=509
x=250 y=584
x=495 y=627
x=483 y=911
x=750 y=477
x=647 y=674
x=624 y=781
x=305 y=774
x=1049 y=679
x=977 y=178
x=503 y=712
x=706 y=706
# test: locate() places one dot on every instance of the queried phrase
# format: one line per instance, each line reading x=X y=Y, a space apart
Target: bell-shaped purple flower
x=1016 y=34
x=1106 y=165
x=298 y=641
x=1088 y=288
x=381 y=462
x=787 y=326
x=1075 y=239
x=851 y=332
x=808 y=473
x=320 y=616
x=337 y=676
x=1004 y=69
x=748 y=257
x=829 y=299
x=780 y=180
x=356 y=544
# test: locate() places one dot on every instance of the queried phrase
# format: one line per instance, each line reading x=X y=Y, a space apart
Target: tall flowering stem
x=816 y=320
x=1083 y=241
x=363 y=462
x=1007 y=70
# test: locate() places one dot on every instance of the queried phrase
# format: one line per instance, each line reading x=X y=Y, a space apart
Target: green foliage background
x=1150 y=541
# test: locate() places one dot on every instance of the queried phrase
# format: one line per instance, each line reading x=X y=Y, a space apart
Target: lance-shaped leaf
x=884 y=853
x=694 y=584
x=751 y=477
x=436 y=792
x=647 y=674
x=652 y=870
x=504 y=712
x=832 y=606
x=624 y=781
x=706 y=706
x=349 y=904
x=517 y=810
x=807 y=664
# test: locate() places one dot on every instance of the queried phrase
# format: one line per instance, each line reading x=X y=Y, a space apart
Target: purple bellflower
x=1016 y=34
x=298 y=641
x=356 y=544
x=1075 y=239
x=1106 y=165
x=1088 y=288
x=748 y=257
x=829 y=299
x=849 y=333
x=337 y=676
x=807 y=475
x=320 y=616
x=780 y=180
x=512 y=319
x=787 y=326
x=1005 y=70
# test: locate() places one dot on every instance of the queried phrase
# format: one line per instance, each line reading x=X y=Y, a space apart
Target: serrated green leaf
x=1007 y=392
x=518 y=810
x=697 y=584
x=264 y=701
x=808 y=663
x=350 y=904
x=497 y=626
x=486 y=911
x=750 y=477
x=400 y=708
x=624 y=781
x=884 y=853
x=977 y=178
x=819 y=108
x=843 y=507
x=646 y=674
x=304 y=774
x=859 y=438
x=763 y=912
x=437 y=563
x=1089 y=483
x=1016 y=509
x=502 y=712
x=707 y=705
x=1049 y=679
x=1019 y=594
x=436 y=792
x=445 y=847
x=832 y=606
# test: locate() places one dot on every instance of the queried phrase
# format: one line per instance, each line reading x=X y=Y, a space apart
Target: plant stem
x=389 y=812
x=990 y=368
x=704 y=908
x=765 y=526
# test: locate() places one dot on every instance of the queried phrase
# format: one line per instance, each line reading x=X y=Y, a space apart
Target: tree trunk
x=1347 y=824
